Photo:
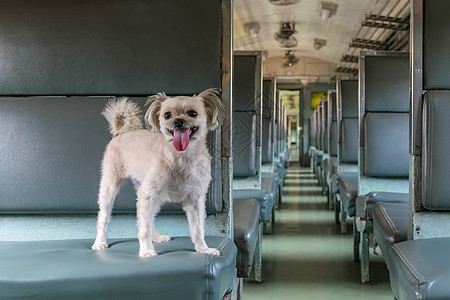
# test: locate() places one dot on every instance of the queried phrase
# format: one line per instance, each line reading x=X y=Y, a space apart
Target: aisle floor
x=306 y=257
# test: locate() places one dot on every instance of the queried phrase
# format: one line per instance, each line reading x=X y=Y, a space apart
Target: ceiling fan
x=285 y=36
x=290 y=59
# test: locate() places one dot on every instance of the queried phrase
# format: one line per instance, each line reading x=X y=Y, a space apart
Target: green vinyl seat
x=63 y=269
x=246 y=232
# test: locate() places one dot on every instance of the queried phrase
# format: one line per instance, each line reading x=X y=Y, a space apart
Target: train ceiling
x=324 y=36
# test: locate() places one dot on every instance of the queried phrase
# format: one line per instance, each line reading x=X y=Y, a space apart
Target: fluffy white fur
x=163 y=173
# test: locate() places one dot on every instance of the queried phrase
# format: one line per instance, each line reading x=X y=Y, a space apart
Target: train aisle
x=305 y=257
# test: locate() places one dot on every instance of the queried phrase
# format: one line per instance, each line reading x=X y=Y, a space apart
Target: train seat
x=383 y=142
x=347 y=146
x=348 y=190
x=420 y=269
x=332 y=171
x=54 y=138
x=263 y=197
x=270 y=182
x=244 y=166
x=246 y=233
x=366 y=203
x=390 y=225
x=319 y=154
x=247 y=135
x=348 y=181
x=332 y=165
x=69 y=268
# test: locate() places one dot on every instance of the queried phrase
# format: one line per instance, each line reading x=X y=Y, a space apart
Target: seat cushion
x=246 y=232
x=348 y=190
x=366 y=203
x=325 y=163
x=69 y=268
x=420 y=269
x=269 y=185
x=311 y=151
x=332 y=166
x=390 y=226
x=334 y=184
x=318 y=158
x=266 y=201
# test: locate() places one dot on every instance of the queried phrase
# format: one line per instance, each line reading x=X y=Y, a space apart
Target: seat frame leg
x=365 y=253
x=337 y=208
x=343 y=218
x=356 y=240
x=257 y=258
x=330 y=198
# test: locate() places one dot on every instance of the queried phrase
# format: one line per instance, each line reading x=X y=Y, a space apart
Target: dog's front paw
x=212 y=251
x=148 y=253
x=162 y=239
x=99 y=246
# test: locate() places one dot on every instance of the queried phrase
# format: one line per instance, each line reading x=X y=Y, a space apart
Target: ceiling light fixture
x=319 y=43
x=327 y=9
x=284 y=2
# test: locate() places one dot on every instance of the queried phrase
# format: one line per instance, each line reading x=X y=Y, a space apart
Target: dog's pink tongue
x=180 y=139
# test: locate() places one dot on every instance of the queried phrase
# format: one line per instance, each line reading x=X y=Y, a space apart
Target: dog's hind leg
x=148 y=206
x=196 y=214
x=109 y=187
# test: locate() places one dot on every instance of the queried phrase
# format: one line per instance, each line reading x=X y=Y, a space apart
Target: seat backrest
x=247 y=118
x=384 y=114
x=59 y=61
x=347 y=121
x=312 y=129
x=332 y=123
x=319 y=128
x=244 y=144
x=267 y=122
x=324 y=132
x=436 y=144
x=430 y=64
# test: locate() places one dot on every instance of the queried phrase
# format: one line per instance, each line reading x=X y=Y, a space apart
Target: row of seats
x=258 y=173
x=372 y=145
x=396 y=191
x=414 y=237
x=54 y=137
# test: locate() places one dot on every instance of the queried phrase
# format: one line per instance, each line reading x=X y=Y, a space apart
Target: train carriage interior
x=258 y=149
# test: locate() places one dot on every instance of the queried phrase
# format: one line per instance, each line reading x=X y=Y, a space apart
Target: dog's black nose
x=179 y=123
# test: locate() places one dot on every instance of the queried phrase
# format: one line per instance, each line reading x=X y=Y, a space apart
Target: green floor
x=306 y=258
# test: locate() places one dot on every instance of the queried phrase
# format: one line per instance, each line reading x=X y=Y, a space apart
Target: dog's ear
x=215 y=111
x=154 y=108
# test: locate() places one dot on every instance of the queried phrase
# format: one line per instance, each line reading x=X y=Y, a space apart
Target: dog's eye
x=192 y=113
x=167 y=115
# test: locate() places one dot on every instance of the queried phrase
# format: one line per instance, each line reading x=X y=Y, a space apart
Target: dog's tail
x=122 y=115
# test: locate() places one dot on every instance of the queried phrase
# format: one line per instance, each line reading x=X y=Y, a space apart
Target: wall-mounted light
x=252 y=28
x=327 y=9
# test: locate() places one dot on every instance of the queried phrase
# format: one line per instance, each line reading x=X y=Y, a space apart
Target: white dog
x=169 y=164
